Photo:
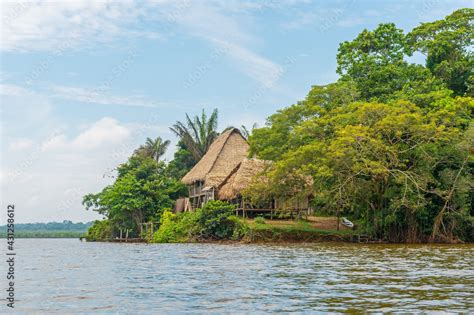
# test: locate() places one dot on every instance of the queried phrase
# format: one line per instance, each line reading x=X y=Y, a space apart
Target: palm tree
x=154 y=149
x=198 y=133
x=247 y=132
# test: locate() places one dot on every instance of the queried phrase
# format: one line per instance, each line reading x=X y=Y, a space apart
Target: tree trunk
x=439 y=218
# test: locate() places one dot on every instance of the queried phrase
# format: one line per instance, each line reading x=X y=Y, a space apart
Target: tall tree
x=153 y=148
x=447 y=45
x=197 y=134
x=374 y=61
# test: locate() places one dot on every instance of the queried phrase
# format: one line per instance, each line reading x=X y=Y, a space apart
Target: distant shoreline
x=20 y=235
x=64 y=229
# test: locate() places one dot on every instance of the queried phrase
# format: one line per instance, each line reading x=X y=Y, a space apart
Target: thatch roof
x=224 y=155
x=241 y=178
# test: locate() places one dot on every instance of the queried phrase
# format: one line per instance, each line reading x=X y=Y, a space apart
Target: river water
x=69 y=276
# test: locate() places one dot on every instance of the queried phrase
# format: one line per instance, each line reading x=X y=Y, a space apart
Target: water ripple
x=68 y=276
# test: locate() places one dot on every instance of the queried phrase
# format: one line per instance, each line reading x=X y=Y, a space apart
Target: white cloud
x=104 y=132
x=222 y=30
x=326 y=16
x=20 y=144
x=14 y=90
x=94 y=96
x=56 y=171
x=61 y=25
x=97 y=96
x=263 y=70
x=59 y=170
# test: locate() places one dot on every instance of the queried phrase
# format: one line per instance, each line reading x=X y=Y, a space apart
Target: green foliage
x=197 y=134
x=182 y=162
x=294 y=233
x=167 y=233
x=214 y=221
x=153 y=148
x=65 y=229
x=374 y=61
x=139 y=194
x=386 y=144
x=447 y=45
x=99 y=231
x=259 y=220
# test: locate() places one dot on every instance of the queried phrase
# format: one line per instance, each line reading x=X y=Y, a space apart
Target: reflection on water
x=65 y=275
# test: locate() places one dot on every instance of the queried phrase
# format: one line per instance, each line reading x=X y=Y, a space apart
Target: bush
x=241 y=228
x=214 y=221
x=259 y=220
x=99 y=231
x=175 y=228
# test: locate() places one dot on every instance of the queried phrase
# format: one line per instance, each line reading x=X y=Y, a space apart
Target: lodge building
x=224 y=172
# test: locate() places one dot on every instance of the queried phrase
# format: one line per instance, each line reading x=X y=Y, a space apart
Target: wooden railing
x=194 y=190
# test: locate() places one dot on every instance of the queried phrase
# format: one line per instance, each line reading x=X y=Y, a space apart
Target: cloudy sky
x=83 y=83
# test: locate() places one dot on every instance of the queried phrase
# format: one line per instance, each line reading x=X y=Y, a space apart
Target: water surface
x=69 y=276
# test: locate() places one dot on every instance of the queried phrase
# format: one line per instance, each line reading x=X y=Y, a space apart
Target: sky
x=83 y=83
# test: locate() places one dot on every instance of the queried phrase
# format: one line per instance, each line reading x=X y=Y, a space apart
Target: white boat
x=347 y=223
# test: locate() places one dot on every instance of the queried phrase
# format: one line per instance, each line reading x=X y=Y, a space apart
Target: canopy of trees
x=390 y=143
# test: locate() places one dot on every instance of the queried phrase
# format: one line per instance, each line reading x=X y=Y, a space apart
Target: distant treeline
x=65 y=229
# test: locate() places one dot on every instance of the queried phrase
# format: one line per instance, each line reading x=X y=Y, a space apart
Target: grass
x=294 y=231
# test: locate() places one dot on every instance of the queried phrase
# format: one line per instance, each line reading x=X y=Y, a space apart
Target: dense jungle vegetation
x=65 y=229
x=389 y=145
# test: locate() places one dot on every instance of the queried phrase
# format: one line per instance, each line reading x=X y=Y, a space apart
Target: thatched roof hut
x=224 y=172
x=224 y=155
x=241 y=178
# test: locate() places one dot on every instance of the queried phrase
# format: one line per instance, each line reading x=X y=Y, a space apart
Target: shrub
x=259 y=220
x=175 y=228
x=241 y=228
x=214 y=220
x=167 y=231
x=99 y=231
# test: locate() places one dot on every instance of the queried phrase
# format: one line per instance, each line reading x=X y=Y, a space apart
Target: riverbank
x=295 y=232
x=313 y=229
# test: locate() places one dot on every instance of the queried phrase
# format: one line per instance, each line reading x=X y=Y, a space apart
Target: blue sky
x=83 y=83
